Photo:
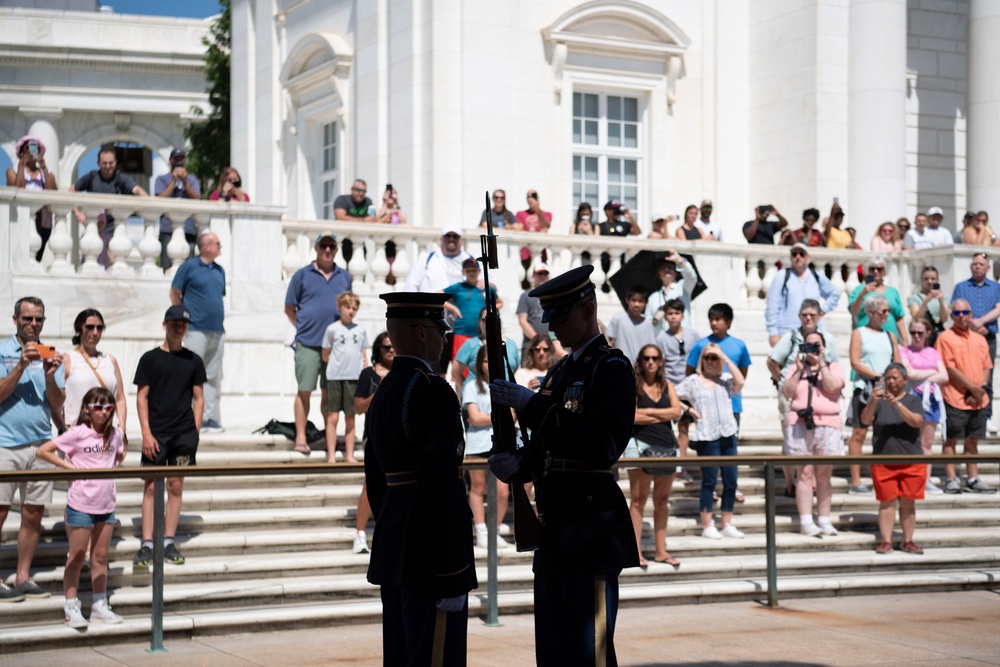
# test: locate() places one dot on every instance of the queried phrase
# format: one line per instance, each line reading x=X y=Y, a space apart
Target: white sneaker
x=711 y=533
x=503 y=529
x=827 y=527
x=483 y=537
x=72 y=614
x=731 y=531
x=991 y=426
x=360 y=543
x=809 y=530
x=101 y=612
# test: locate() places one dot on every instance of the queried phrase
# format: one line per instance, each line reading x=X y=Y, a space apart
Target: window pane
x=614 y=134
x=576 y=196
x=591 y=192
x=590 y=106
x=631 y=111
x=577 y=107
x=576 y=170
x=591 y=169
x=590 y=137
x=631 y=136
x=631 y=167
x=576 y=134
x=631 y=197
x=614 y=108
x=614 y=171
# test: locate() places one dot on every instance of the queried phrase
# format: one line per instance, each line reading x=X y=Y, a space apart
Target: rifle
x=527 y=529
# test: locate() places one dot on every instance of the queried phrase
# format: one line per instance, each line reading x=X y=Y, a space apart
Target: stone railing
x=261 y=250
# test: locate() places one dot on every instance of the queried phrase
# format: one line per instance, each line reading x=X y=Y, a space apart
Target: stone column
x=983 y=107
x=876 y=115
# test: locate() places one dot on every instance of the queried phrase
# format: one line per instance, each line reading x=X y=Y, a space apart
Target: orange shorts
x=902 y=481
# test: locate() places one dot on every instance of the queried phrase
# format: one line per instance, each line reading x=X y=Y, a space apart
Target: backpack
x=287 y=429
x=788 y=274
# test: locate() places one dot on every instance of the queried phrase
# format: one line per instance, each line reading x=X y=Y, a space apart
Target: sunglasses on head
x=981 y=254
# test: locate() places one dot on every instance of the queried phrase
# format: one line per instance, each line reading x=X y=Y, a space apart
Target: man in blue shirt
x=789 y=288
x=311 y=306
x=199 y=286
x=983 y=296
x=31 y=391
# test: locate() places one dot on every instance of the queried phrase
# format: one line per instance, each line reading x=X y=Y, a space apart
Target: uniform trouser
x=208 y=346
x=415 y=633
x=575 y=620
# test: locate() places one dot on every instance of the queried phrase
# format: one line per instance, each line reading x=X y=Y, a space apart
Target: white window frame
x=604 y=152
x=327 y=178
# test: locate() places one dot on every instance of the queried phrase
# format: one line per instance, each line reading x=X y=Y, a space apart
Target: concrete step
x=46 y=629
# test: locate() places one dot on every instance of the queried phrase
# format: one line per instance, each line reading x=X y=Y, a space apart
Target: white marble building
x=661 y=102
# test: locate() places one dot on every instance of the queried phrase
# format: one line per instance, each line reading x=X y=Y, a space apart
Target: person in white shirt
x=940 y=236
x=712 y=229
x=918 y=238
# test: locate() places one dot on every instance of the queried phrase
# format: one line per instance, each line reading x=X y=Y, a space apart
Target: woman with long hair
x=86 y=367
x=687 y=231
x=230 y=187
x=656 y=406
x=886 y=238
x=478 y=443
x=371 y=376
x=535 y=363
x=93 y=442
x=583 y=221
x=708 y=393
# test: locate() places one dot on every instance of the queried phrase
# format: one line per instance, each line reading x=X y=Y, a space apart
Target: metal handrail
x=159 y=474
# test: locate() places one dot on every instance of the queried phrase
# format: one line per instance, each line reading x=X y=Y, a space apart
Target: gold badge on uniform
x=573 y=396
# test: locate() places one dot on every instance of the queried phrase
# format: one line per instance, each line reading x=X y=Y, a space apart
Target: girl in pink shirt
x=90 y=503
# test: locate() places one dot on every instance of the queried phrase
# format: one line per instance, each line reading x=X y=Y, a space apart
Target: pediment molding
x=318 y=65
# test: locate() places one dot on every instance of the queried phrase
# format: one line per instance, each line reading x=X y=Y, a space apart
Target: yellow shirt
x=838 y=238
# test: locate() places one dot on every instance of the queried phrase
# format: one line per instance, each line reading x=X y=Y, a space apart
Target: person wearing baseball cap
x=619 y=220
x=413 y=476
x=939 y=236
x=170 y=403
x=704 y=222
x=580 y=423
x=529 y=310
x=176 y=184
x=790 y=287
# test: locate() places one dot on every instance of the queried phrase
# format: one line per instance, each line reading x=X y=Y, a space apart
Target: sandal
x=884 y=548
x=669 y=560
x=303 y=448
x=643 y=563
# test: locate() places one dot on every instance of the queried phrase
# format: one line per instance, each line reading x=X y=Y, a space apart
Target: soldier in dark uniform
x=580 y=420
x=422 y=548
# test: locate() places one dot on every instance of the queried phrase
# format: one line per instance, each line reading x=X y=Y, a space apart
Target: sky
x=198 y=9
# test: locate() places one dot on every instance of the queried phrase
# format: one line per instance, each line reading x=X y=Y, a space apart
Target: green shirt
x=896 y=311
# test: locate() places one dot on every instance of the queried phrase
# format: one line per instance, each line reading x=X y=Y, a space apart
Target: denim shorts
x=86 y=520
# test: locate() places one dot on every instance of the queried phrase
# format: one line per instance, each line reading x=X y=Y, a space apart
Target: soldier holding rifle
x=580 y=420
x=412 y=467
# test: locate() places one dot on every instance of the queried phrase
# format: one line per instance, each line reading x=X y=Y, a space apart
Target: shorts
x=340 y=396
x=175 y=450
x=78 y=519
x=902 y=481
x=22 y=458
x=854 y=412
x=964 y=423
x=821 y=441
x=309 y=366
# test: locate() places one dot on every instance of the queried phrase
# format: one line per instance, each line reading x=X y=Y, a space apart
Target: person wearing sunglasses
x=421 y=554
x=500 y=214
x=311 y=307
x=929 y=303
x=790 y=287
x=85 y=368
x=967 y=394
x=983 y=297
x=717 y=380
x=925 y=373
x=885 y=239
x=25 y=378
x=93 y=442
x=356 y=206
x=874 y=285
x=709 y=228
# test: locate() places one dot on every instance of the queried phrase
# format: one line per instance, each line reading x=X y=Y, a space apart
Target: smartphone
x=33 y=148
x=836 y=201
x=869 y=277
x=388 y=187
x=936 y=286
x=46 y=351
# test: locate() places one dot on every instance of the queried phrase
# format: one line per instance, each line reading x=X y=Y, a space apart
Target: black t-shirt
x=171 y=377
x=660 y=433
x=891 y=435
x=120 y=184
x=615 y=227
x=765 y=231
x=368 y=382
x=353 y=210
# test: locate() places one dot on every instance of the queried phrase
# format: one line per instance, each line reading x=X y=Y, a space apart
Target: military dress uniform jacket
x=581 y=420
x=412 y=466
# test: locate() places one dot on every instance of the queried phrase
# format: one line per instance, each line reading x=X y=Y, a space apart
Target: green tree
x=208 y=135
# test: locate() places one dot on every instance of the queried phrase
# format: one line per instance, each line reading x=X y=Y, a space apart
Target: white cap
x=935 y=210
x=451 y=229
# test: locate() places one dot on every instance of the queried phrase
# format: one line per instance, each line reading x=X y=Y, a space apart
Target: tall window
x=606 y=150
x=328 y=174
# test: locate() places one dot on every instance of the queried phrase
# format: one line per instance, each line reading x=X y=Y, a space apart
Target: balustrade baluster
x=91 y=246
x=379 y=265
x=60 y=243
x=149 y=246
x=291 y=261
x=358 y=265
x=178 y=250
x=753 y=282
x=401 y=264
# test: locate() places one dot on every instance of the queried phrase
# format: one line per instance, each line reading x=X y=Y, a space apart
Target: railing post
x=772 y=551
x=156 y=639
x=492 y=607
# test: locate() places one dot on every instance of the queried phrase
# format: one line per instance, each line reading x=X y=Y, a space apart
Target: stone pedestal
x=983 y=106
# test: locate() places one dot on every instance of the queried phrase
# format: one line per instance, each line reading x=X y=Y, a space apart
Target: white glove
x=510 y=394
x=452 y=604
x=504 y=465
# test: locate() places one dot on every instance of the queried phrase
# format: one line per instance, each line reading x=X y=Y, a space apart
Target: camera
x=806 y=415
x=936 y=286
x=237 y=183
x=765 y=209
x=388 y=187
x=808 y=348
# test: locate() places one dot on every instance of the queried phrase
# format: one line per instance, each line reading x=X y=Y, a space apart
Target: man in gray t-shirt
x=529 y=311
